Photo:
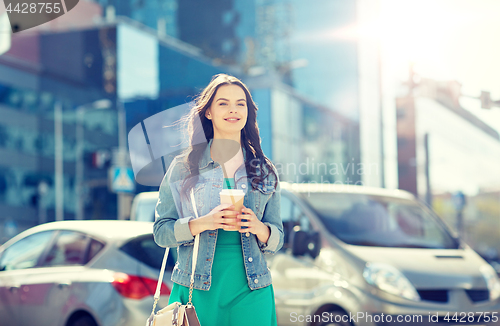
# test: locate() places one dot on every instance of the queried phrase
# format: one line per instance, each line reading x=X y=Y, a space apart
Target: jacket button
x=247 y=234
x=243 y=186
x=256 y=281
x=250 y=259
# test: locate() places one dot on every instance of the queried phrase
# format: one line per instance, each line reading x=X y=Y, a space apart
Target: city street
x=322 y=163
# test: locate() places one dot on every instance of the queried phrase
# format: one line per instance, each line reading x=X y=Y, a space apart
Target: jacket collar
x=206 y=159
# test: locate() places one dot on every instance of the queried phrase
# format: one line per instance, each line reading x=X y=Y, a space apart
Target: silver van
x=356 y=255
x=143 y=206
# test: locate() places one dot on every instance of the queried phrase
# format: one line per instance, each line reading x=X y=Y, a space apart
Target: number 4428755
x=34 y=8
x=478 y=317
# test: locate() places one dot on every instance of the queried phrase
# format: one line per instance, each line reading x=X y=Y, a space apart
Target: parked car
x=81 y=273
x=143 y=206
x=356 y=255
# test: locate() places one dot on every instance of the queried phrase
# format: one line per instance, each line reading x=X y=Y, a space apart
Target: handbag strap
x=164 y=262
x=195 y=253
x=160 y=279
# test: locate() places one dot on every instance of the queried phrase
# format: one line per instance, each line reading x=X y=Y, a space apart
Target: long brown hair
x=255 y=159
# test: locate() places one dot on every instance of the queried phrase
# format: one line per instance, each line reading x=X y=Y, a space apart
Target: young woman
x=232 y=282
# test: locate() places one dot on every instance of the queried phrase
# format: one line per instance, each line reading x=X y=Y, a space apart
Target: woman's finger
x=221 y=219
x=229 y=220
x=220 y=208
x=246 y=220
x=247 y=224
x=247 y=217
x=248 y=211
x=231 y=213
x=247 y=229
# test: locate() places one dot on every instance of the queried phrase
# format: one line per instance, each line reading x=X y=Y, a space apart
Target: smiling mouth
x=232 y=119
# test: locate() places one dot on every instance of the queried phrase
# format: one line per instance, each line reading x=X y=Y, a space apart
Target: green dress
x=229 y=302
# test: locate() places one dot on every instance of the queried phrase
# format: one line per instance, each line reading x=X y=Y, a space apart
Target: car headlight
x=491 y=278
x=389 y=279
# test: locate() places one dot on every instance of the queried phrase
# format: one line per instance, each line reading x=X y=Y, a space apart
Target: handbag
x=176 y=314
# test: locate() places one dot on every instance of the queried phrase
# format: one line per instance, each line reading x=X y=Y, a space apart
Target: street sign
x=123 y=180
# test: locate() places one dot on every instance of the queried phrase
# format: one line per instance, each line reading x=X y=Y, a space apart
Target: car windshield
x=380 y=221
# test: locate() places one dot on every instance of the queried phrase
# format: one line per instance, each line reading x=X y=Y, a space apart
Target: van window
x=380 y=221
x=286 y=209
x=300 y=218
x=292 y=215
x=287 y=219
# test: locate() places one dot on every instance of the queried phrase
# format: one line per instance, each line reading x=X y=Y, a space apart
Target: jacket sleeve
x=272 y=218
x=171 y=229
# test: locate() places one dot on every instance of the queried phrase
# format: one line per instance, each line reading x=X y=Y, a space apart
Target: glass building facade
x=443 y=150
x=35 y=77
x=147 y=72
x=157 y=15
x=69 y=69
x=243 y=32
x=313 y=48
x=306 y=141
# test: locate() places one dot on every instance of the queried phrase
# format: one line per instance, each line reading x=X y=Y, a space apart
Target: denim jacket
x=172 y=214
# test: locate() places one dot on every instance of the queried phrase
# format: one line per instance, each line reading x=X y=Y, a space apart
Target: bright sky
x=446 y=39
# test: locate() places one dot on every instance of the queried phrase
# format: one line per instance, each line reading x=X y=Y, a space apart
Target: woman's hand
x=213 y=220
x=253 y=224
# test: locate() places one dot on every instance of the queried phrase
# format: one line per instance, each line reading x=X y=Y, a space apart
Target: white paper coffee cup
x=232 y=197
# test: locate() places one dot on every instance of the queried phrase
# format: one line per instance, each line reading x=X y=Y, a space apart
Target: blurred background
x=384 y=93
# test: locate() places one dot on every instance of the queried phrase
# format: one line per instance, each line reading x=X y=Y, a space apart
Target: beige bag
x=176 y=314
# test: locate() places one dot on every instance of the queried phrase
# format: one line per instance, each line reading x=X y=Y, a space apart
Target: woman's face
x=228 y=112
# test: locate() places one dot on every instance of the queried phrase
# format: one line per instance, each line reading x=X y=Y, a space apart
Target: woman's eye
x=225 y=103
